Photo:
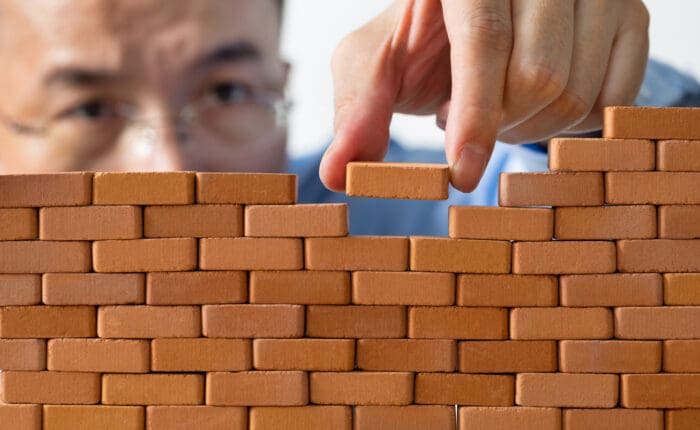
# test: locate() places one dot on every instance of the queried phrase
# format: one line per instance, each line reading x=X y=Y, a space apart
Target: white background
x=313 y=28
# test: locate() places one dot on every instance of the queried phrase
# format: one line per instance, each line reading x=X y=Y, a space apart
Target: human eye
x=91 y=111
x=232 y=93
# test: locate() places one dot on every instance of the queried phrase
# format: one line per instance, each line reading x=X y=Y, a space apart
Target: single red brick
x=300 y=287
x=661 y=390
x=152 y=389
x=682 y=288
x=613 y=289
x=42 y=256
x=361 y=388
x=257 y=389
x=682 y=419
x=499 y=223
x=90 y=223
x=145 y=255
x=681 y=356
x=551 y=189
x=660 y=255
x=563 y=257
x=20 y=417
x=611 y=356
x=605 y=222
x=561 y=323
x=499 y=418
x=98 y=355
x=629 y=122
x=304 y=354
x=199 y=417
x=406 y=355
x=249 y=321
x=413 y=417
x=678 y=155
x=47 y=321
x=247 y=188
x=454 y=322
x=46 y=189
x=566 y=390
x=63 y=417
x=247 y=253
x=657 y=188
x=143 y=188
x=193 y=221
x=416 y=181
x=301 y=417
x=200 y=355
x=679 y=222
x=507 y=290
x=51 y=387
x=403 y=288
x=93 y=288
x=580 y=154
x=19 y=290
x=435 y=254
x=356 y=321
x=147 y=322
x=22 y=354
x=308 y=220
x=356 y=253
x=470 y=390
x=664 y=322
x=510 y=356
x=613 y=419
x=195 y=288
x=18 y=224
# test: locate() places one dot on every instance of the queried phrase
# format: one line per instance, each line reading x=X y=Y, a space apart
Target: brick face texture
x=208 y=301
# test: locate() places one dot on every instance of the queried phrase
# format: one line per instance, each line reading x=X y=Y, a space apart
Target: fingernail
x=469 y=168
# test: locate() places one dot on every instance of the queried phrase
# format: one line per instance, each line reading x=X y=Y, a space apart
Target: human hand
x=513 y=70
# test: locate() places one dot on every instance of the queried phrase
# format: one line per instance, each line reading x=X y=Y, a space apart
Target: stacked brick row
x=210 y=301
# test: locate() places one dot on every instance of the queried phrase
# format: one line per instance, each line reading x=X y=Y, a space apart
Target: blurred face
x=141 y=85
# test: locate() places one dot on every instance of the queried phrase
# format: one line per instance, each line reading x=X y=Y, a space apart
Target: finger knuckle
x=572 y=107
x=489 y=26
x=542 y=81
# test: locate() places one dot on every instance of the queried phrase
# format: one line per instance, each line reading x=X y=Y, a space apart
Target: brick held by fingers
x=301 y=417
x=551 y=189
x=143 y=188
x=361 y=388
x=246 y=188
x=307 y=220
x=628 y=122
x=500 y=223
x=416 y=181
x=498 y=418
x=678 y=155
x=570 y=390
x=46 y=189
x=90 y=223
x=78 y=417
x=19 y=224
x=601 y=155
x=199 y=417
x=257 y=388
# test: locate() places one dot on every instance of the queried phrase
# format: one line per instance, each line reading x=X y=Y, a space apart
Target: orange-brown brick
x=190 y=288
x=454 y=322
x=566 y=390
x=510 y=356
x=47 y=321
x=613 y=419
x=257 y=389
x=434 y=254
x=193 y=221
x=247 y=188
x=18 y=224
x=361 y=388
x=148 y=321
x=562 y=257
x=681 y=356
x=561 y=323
x=499 y=223
x=199 y=417
x=507 y=290
x=637 y=289
x=22 y=354
x=20 y=417
x=300 y=287
x=499 y=418
x=682 y=289
x=682 y=419
x=356 y=253
x=403 y=288
x=595 y=155
x=605 y=222
x=413 y=417
x=577 y=356
x=416 y=181
x=660 y=255
x=304 y=354
x=63 y=417
x=248 y=321
x=678 y=155
x=93 y=288
x=658 y=188
x=679 y=222
x=90 y=223
x=18 y=290
x=46 y=189
x=152 y=389
x=661 y=390
x=469 y=390
x=406 y=355
x=322 y=220
x=44 y=256
x=356 y=321
x=301 y=417
x=145 y=255
x=551 y=189
x=143 y=188
x=664 y=322
x=98 y=355
x=66 y=388
x=200 y=355
x=628 y=122
x=247 y=253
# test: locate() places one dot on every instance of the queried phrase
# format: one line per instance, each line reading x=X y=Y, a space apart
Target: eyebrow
x=235 y=52
x=79 y=77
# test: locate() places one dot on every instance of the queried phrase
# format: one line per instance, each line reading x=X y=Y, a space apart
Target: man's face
x=140 y=85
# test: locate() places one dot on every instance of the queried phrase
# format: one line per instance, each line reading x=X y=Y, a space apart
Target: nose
x=156 y=147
